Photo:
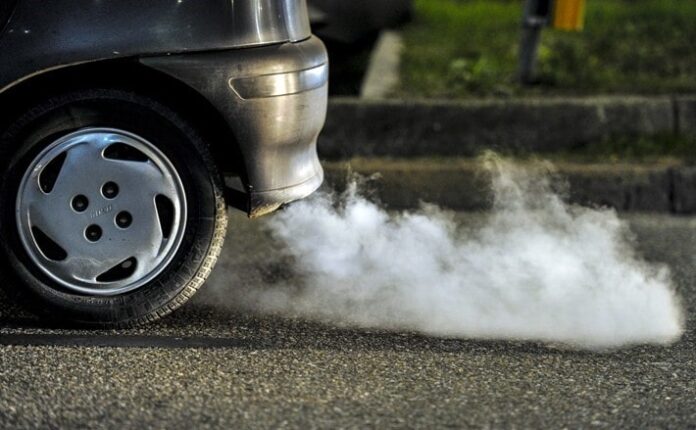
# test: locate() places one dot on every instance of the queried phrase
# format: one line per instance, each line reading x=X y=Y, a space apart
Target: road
x=212 y=365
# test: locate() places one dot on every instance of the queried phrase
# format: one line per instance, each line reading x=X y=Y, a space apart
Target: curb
x=383 y=71
x=368 y=128
x=462 y=184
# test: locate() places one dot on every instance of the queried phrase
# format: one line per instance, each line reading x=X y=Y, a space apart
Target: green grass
x=468 y=48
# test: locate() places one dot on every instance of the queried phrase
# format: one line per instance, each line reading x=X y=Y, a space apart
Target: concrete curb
x=462 y=128
x=383 y=72
x=462 y=184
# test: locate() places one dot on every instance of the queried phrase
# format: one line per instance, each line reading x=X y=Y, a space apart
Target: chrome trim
x=281 y=84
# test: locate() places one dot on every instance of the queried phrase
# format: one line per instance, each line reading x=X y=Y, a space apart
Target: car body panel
x=276 y=131
x=6 y=8
x=44 y=35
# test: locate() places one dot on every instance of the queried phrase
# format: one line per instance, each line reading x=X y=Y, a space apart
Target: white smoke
x=535 y=269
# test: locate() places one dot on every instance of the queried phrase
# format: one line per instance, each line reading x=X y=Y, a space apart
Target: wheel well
x=133 y=76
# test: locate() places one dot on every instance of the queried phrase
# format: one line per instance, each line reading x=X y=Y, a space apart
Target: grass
x=468 y=48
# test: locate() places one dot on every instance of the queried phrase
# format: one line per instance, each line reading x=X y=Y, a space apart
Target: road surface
x=210 y=365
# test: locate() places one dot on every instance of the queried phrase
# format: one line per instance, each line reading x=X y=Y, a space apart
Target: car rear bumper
x=274 y=100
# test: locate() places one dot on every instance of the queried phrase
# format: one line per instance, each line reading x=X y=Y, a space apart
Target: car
x=126 y=130
x=348 y=22
x=350 y=29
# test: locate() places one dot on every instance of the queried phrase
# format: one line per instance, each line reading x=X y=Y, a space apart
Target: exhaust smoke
x=535 y=269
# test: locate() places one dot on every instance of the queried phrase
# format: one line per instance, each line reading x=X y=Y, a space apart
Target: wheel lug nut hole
x=110 y=190
x=80 y=203
x=93 y=233
x=124 y=219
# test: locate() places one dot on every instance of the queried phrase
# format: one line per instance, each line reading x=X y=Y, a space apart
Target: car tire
x=166 y=207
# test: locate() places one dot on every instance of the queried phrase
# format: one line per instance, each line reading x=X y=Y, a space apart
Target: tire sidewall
x=144 y=117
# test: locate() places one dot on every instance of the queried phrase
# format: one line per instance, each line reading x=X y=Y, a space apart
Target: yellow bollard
x=569 y=15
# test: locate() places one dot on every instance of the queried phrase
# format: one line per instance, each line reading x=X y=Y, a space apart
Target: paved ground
x=209 y=365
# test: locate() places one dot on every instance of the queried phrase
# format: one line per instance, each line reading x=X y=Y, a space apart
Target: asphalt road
x=210 y=365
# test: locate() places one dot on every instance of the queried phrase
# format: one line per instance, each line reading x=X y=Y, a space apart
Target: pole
x=536 y=17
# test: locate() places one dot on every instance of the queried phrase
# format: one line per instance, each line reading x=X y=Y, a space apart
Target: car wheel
x=111 y=208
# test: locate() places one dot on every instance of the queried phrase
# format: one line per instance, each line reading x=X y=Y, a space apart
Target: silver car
x=121 y=120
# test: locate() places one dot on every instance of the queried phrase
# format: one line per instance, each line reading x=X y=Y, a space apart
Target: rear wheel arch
x=130 y=75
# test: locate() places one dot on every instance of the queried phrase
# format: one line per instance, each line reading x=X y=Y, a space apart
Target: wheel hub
x=101 y=211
